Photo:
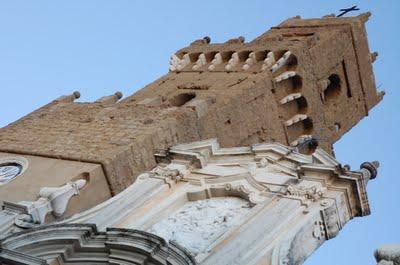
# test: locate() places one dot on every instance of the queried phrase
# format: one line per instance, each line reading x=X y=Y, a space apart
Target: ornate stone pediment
x=82 y=243
x=288 y=203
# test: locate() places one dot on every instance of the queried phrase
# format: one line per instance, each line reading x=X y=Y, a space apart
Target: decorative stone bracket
x=305 y=195
x=51 y=200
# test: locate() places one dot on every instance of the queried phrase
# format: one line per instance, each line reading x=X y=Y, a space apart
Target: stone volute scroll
x=27 y=214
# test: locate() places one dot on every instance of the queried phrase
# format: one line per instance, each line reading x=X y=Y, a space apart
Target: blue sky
x=51 y=48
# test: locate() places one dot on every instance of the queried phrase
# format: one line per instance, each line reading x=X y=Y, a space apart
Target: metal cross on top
x=347 y=10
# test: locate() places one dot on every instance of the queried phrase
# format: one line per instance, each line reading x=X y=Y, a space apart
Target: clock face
x=9 y=171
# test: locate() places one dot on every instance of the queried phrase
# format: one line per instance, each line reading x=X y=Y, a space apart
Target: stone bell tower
x=303 y=79
x=302 y=84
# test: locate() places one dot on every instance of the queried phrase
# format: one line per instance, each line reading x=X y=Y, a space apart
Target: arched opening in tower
x=333 y=89
x=181 y=99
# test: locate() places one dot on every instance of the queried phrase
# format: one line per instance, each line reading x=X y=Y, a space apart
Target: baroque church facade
x=226 y=159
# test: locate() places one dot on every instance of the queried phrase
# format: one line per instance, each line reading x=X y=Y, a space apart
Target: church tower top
x=303 y=83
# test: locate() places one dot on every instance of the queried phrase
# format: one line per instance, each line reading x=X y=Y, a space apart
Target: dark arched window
x=333 y=89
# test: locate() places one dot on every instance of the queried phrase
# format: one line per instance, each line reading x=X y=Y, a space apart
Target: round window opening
x=9 y=171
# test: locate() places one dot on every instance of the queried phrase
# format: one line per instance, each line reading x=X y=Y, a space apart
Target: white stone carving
x=306 y=195
x=83 y=244
x=388 y=255
x=278 y=183
x=52 y=200
x=331 y=219
x=197 y=224
x=171 y=174
x=263 y=162
x=312 y=193
x=319 y=230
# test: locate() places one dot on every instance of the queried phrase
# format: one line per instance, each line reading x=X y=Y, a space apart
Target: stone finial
x=205 y=40
x=365 y=16
x=347 y=167
x=369 y=169
x=238 y=40
x=110 y=99
x=373 y=56
x=69 y=98
x=388 y=254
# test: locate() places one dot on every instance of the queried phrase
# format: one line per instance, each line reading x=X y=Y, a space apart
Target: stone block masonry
x=304 y=79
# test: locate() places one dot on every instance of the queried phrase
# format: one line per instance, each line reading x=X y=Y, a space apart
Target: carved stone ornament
x=54 y=200
x=306 y=195
x=170 y=175
x=28 y=214
x=388 y=254
x=41 y=245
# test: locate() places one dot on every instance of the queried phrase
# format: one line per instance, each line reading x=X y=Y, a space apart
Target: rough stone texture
x=238 y=106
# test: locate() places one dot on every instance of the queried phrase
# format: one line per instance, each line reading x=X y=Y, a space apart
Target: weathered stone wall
x=239 y=104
